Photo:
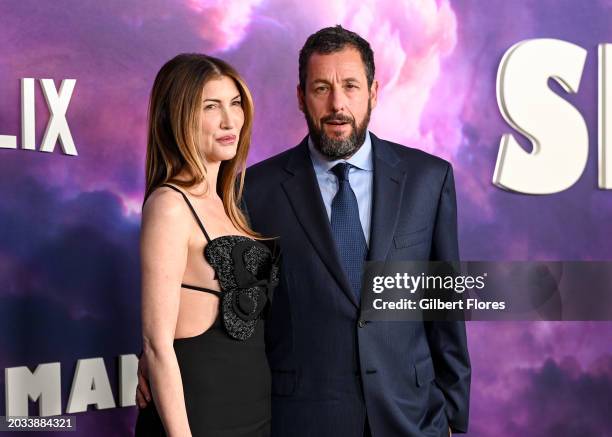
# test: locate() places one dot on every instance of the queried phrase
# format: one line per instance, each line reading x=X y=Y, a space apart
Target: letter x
x=58 y=126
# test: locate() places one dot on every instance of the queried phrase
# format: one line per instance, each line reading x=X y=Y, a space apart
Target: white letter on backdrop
x=58 y=126
x=555 y=128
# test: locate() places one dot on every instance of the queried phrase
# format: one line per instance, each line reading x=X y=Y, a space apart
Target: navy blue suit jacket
x=329 y=368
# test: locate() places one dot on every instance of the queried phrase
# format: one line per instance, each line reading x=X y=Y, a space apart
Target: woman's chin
x=220 y=155
x=226 y=156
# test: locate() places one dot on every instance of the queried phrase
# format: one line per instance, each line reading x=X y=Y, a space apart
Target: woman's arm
x=163 y=246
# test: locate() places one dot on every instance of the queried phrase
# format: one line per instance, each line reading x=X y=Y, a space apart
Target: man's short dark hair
x=331 y=40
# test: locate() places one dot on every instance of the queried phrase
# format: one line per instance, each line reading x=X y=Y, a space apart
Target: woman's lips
x=227 y=139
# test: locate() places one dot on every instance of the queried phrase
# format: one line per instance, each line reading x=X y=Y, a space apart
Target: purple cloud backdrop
x=68 y=248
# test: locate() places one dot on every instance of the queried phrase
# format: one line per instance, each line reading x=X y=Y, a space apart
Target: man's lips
x=337 y=127
x=336 y=121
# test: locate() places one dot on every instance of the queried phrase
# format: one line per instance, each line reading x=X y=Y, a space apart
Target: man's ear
x=300 y=97
x=374 y=93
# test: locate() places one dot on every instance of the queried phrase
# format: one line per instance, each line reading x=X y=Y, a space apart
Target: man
x=339 y=197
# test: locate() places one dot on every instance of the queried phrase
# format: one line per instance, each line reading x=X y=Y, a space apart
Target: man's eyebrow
x=348 y=79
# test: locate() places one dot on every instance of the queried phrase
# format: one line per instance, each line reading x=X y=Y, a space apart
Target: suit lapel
x=388 y=189
x=303 y=192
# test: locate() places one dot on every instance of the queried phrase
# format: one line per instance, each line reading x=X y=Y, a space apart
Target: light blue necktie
x=347 y=229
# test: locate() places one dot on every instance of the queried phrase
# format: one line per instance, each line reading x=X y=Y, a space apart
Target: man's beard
x=332 y=148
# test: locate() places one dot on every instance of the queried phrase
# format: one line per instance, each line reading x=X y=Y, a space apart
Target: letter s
x=555 y=128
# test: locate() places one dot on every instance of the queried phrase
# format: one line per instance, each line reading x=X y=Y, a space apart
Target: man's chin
x=339 y=136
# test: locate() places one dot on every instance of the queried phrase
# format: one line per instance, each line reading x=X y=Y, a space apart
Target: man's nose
x=338 y=100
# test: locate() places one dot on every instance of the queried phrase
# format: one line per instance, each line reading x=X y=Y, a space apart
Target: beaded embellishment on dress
x=247 y=272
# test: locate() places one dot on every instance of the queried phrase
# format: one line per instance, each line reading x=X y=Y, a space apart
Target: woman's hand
x=143 y=391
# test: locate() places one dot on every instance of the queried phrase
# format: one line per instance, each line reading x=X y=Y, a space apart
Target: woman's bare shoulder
x=165 y=203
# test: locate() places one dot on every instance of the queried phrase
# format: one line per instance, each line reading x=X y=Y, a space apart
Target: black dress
x=225 y=373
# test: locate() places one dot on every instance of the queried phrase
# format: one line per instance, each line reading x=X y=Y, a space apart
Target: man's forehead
x=345 y=63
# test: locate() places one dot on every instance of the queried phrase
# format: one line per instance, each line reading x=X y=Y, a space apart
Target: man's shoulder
x=269 y=172
x=278 y=161
x=408 y=156
x=272 y=168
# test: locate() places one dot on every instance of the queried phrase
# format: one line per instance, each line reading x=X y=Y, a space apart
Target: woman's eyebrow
x=219 y=100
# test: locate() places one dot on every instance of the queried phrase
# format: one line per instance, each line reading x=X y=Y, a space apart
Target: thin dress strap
x=205 y=290
x=195 y=287
x=195 y=214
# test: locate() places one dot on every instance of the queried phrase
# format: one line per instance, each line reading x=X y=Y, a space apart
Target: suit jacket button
x=361 y=324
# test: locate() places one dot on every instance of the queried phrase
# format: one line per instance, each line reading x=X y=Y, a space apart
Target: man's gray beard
x=334 y=149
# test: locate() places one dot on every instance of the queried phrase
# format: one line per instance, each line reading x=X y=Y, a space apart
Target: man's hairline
x=345 y=46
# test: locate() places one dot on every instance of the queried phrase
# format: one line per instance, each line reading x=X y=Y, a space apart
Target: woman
x=206 y=278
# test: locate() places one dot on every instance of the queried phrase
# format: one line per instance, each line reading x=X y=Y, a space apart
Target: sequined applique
x=247 y=273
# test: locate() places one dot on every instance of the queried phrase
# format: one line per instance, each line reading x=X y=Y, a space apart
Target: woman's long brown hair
x=174 y=126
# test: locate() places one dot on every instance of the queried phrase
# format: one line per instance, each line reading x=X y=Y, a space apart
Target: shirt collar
x=362 y=159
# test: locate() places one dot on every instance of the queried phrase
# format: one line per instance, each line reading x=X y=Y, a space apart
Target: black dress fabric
x=225 y=373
